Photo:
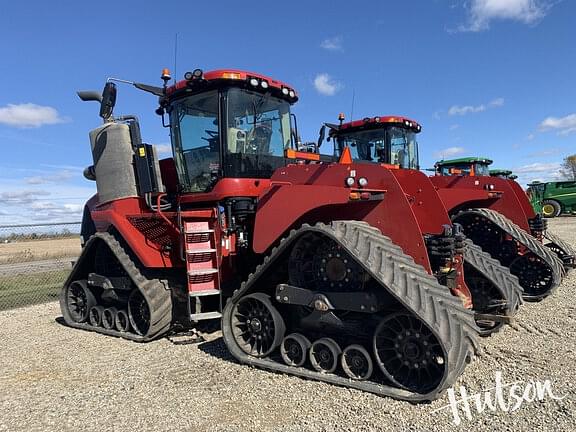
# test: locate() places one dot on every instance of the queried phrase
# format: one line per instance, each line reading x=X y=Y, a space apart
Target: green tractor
x=553 y=198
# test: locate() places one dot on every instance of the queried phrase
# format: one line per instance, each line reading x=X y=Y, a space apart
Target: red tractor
x=494 y=213
x=344 y=272
x=514 y=204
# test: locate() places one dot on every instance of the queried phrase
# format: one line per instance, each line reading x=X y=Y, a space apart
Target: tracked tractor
x=320 y=268
x=513 y=203
x=484 y=206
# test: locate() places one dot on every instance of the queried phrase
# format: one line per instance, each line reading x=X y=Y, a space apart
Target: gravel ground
x=56 y=378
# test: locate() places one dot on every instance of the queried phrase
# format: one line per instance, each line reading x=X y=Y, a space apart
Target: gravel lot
x=56 y=378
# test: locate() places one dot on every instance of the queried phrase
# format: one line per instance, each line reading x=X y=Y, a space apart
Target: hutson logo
x=507 y=397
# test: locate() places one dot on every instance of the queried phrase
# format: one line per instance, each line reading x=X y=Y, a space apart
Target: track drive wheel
x=535 y=276
x=408 y=353
x=258 y=327
x=79 y=300
x=138 y=312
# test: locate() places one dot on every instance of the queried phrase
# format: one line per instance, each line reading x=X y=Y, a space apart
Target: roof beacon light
x=166 y=75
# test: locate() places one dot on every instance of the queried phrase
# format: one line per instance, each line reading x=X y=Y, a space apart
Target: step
x=203 y=293
x=200 y=231
x=199 y=251
x=202 y=272
x=205 y=316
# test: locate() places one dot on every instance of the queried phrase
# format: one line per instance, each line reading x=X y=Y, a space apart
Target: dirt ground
x=34 y=250
x=55 y=378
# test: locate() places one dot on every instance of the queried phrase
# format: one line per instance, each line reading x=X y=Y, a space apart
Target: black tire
x=554 y=208
x=79 y=300
x=122 y=321
x=95 y=316
x=109 y=317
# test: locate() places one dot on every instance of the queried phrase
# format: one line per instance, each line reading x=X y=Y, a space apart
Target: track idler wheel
x=324 y=354
x=257 y=326
x=79 y=300
x=294 y=349
x=95 y=316
x=122 y=322
x=408 y=353
x=138 y=313
x=356 y=362
x=109 y=317
x=535 y=276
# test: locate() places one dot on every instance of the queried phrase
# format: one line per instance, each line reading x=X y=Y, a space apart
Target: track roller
x=294 y=349
x=356 y=362
x=95 y=316
x=109 y=317
x=324 y=354
x=258 y=326
x=122 y=321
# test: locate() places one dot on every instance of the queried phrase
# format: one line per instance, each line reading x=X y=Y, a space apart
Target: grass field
x=34 y=250
x=33 y=288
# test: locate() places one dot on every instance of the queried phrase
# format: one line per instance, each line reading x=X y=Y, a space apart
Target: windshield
x=392 y=145
x=258 y=133
x=195 y=141
x=482 y=169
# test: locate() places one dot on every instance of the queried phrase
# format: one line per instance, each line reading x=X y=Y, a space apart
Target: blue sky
x=495 y=78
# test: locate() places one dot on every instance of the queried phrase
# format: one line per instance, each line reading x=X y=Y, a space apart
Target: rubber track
x=156 y=295
x=407 y=281
x=567 y=249
x=499 y=276
x=527 y=240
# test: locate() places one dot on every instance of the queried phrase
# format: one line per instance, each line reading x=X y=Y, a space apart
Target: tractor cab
x=503 y=174
x=387 y=140
x=469 y=166
x=227 y=124
x=535 y=194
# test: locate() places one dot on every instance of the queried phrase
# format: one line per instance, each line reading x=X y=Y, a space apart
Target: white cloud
x=326 y=85
x=449 y=152
x=58 y=177
x=332 y=44
x=454 y=127
x=29 y=115
x=482 y=12
x=467 y=109
x=163 y=149
x=547 y=152
x=538 y=167
x=564 y=125
x=21 y=197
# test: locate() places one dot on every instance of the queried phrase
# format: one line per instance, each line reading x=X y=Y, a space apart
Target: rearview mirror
x=321 y=136
x=108 y=100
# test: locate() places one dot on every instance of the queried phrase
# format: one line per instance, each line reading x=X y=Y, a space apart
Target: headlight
x=362 y=182
x=349 y=181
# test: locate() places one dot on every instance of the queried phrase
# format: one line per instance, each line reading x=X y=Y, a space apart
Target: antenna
x=352 y=108
x=175 y=56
